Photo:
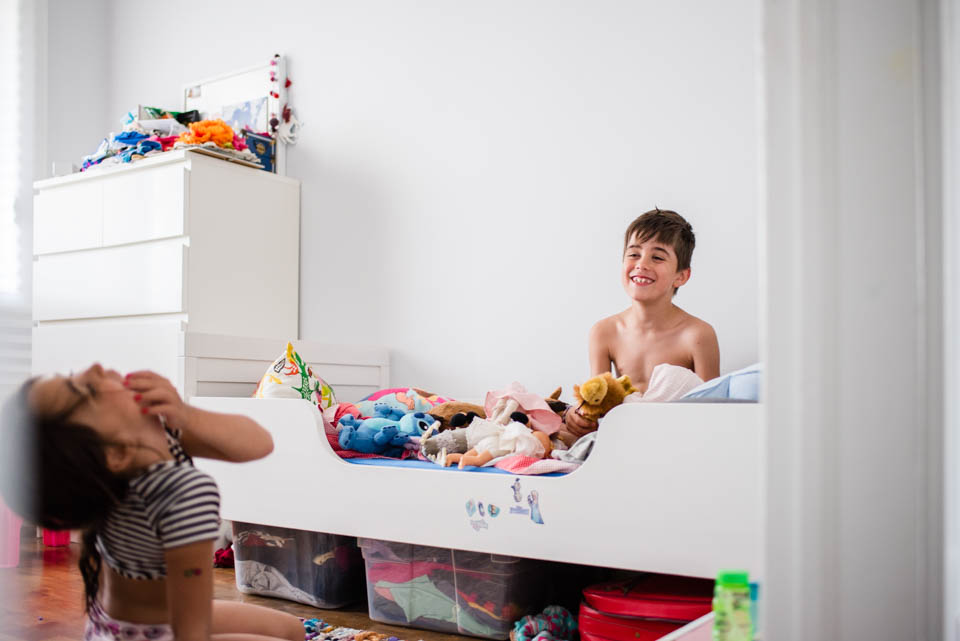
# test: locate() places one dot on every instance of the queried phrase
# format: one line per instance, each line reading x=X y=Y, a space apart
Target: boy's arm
x=706 y=353
x=227 y=437
x=599 y=347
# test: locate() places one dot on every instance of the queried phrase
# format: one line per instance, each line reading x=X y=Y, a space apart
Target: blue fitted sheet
x=427 y=465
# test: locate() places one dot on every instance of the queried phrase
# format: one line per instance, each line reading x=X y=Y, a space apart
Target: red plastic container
x=597 y=626
x=642 y=609
x=56 y=539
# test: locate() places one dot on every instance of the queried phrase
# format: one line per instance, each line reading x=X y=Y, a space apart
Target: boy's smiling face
x=650 y=270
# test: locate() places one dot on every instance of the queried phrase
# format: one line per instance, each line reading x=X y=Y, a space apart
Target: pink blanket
x=535 y=407
x=519 y=464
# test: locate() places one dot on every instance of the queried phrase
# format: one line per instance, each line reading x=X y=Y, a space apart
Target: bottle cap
x=733 y=577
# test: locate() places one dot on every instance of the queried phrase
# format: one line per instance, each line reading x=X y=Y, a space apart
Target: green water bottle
x=731 y=607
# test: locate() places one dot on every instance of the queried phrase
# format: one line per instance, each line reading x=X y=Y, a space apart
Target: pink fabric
x=519 y=464
x=383 y=392
x=541 y=417
x=432 y=400
x=101 y=627
x=9 y=537
x=166 y=142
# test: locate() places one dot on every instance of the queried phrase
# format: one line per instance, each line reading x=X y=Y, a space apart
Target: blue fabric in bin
x=743 y=384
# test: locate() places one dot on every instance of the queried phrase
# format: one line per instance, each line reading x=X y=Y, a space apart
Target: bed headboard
x=219 y=365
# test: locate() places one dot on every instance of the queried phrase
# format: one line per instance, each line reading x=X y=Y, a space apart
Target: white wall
x=852 y=314
x=950 y=56
x=78 y=80
x=469 y=168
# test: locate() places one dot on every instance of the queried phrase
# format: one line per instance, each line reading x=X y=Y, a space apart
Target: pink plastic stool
x=56 y=539
x=9 y=537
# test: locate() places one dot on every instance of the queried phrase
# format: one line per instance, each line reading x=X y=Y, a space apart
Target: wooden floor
x=42 y=600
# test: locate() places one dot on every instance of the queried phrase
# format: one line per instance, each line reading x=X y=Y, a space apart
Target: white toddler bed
x=672 y=488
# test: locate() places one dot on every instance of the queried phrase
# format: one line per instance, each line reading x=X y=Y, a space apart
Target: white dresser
x=129 y=260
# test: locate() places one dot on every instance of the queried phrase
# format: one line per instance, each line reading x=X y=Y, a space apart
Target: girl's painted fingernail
x=138 y=397
x=143 y=410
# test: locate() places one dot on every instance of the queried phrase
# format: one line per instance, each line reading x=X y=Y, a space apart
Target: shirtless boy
x=657 y=248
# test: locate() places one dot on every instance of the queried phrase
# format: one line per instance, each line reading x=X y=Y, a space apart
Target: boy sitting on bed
x=657 y=249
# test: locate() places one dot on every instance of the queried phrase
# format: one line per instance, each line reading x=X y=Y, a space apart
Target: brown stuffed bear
x=600 y=394
x=447 y=412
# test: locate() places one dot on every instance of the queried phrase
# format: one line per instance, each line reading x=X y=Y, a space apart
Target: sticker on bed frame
x=472 y=508
x=478 y=524
x=533 y=499
x=478 y=512
x=517 y=497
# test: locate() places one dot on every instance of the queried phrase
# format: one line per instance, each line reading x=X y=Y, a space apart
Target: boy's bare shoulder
x=697 y=330
x=607 y=327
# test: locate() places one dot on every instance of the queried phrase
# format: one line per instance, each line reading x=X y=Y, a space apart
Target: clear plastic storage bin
x=449 y=590
x=322 y=570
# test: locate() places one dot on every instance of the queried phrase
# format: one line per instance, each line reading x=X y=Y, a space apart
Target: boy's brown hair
x=669 y=227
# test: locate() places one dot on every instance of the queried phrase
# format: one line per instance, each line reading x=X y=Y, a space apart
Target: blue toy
x=372 y=436
x=384 y=410
x=416 y=423
x=404 y=400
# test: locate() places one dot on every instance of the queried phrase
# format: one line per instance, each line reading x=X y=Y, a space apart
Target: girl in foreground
x=111 y=455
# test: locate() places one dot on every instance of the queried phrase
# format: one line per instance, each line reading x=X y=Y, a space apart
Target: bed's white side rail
x=221 y=365
x=672 y=488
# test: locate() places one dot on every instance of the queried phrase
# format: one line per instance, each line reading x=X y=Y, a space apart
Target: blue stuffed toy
x=416 y=423
x=372 y=436
x=384 y=410
x=403 y=400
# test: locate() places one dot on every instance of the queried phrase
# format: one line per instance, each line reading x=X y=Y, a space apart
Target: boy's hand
x=577 y=424
x=157 y=395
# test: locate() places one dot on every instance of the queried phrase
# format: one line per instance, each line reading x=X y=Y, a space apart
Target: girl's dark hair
x=53 y=471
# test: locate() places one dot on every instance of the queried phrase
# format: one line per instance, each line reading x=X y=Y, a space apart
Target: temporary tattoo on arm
x=192 y=572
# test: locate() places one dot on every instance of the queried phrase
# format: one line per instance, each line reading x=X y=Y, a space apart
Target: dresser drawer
x=146 y=278
x=120 y=345
x=145 y=205
x=68 y=218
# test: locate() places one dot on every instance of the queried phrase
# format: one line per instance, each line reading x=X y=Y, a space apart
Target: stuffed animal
x=372 y=436
x=385 y=410
x=500 y=404
x=406 y=400
x=489 y=439
x=437 y=446
x=444 y=413
x=600 y=394
x=415 y=423
x=555 y=403
x=561 y=407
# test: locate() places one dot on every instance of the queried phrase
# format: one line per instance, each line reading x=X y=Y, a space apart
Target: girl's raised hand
x=156 y=396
